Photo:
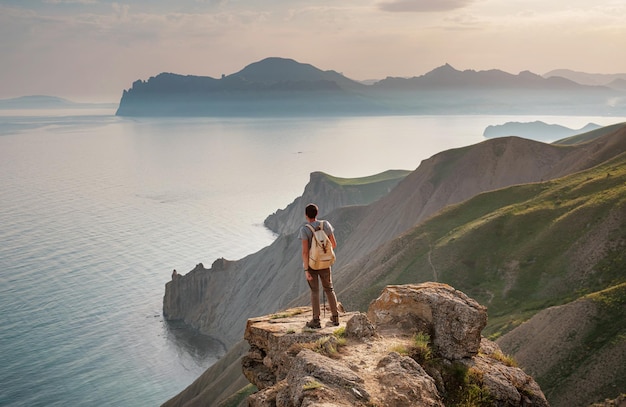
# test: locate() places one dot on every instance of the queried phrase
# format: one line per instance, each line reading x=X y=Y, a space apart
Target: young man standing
x=314 y=276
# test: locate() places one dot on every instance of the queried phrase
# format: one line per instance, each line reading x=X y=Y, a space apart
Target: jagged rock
x=359 y=326
x=618 y=402
x=406 y=383
x=507 y=385
x=311 y=369
x=294 y=366
x=274 y=342
x=266 y=397
x=452 y=319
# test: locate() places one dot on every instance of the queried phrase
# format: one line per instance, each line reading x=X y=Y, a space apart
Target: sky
x=91 y=50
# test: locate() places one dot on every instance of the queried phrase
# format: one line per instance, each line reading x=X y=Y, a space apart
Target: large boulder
x=453 y=320
x=404 y=382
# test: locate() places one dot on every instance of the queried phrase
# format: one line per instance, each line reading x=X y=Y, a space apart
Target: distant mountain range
x=36 y=102
x=46 y=102
x=279 y=86
x=615 y=81
x=536 y=130
x=446 y=77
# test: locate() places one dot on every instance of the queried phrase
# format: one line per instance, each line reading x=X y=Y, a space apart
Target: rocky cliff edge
x=417 y=345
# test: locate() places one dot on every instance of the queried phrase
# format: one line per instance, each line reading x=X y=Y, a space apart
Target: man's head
x=311 y=211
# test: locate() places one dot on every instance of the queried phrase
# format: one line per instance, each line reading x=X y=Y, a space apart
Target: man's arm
x=305 y=254
x=305 y=259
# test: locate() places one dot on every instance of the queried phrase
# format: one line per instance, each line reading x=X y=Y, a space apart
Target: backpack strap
x=321 y=226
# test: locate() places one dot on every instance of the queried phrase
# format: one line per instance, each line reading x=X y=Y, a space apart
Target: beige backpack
x=321 y=253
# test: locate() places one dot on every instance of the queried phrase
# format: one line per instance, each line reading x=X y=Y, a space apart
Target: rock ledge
x=376 y=360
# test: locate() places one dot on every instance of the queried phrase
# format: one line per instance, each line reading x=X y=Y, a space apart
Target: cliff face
x=217 y=301
x=331 y=193
x=375 y=359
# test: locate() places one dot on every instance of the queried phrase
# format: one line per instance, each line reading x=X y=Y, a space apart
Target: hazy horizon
x=91 y=50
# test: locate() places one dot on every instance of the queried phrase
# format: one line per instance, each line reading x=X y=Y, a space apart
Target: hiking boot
x=334 y=320
x=314 y=324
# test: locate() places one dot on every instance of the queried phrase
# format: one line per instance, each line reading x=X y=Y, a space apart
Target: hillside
x=459 y=246
x=455 y=175
x=589 y=136
x=524 y=249
x=517 y=249
x=579 y=342
x=281 y=86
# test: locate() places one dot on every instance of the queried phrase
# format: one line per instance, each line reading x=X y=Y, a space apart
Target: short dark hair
x=311 y=211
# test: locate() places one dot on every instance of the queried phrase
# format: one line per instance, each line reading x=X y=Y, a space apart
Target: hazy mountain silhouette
x=536 y=130
x=280 y=70
x=584 y=78
x=280 y=86
x=447 y=77
x=619 y=83
x=35 y=102
x=47 y=102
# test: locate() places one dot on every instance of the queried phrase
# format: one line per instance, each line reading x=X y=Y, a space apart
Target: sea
x=96 y=211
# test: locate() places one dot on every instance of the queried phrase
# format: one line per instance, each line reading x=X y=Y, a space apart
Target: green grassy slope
x=516 y=250
x=365 y=190
x=383 y=176
x=598 y=360
x=576 y=351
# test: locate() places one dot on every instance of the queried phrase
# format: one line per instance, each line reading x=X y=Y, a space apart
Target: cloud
x=423 y=6
x=70 y=1
x=121 y=11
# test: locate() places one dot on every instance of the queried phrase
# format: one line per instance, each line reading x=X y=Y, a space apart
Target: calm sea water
x=96 y=211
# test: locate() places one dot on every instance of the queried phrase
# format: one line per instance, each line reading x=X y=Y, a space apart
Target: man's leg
x=327 y=283
x=315 y=293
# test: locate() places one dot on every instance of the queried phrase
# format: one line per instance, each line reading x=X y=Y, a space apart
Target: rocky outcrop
x=378 y=361
x=452 y=319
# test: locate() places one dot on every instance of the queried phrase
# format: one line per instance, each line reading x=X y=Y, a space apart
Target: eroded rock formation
x=379 y=360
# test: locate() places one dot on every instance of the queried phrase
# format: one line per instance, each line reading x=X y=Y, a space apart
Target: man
x=314 y=276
